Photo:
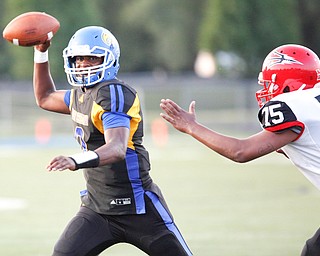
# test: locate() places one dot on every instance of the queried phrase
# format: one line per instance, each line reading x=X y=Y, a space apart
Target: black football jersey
x=117 y=188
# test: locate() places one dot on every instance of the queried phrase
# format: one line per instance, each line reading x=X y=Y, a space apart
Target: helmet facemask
x=270 y=89
x=88 y=76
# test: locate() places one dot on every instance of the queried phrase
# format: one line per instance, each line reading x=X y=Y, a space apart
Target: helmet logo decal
x=106 y=39
x=280 y=58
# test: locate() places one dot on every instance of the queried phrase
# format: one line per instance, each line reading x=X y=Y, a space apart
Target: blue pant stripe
x=167 y=220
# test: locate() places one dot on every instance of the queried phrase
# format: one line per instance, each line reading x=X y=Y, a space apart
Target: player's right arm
x=47 y=97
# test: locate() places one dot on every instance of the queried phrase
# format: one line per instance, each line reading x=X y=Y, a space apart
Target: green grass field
x=263 y=208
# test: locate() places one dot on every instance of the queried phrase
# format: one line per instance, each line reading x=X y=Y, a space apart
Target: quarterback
x=121 y=203
x=289 y=115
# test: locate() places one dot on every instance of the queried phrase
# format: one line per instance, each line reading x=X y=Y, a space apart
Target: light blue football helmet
x=92 y=41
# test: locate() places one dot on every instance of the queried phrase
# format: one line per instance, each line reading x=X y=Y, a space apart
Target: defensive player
x=289 y=116
x=121 y=203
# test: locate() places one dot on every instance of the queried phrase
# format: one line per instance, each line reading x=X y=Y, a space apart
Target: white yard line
x=12 y=204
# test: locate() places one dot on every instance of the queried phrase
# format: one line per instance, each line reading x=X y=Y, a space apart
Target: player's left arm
x=112 y=151
x=115 y=148
x=242 y=150
x=117 y=111
x=235 y=149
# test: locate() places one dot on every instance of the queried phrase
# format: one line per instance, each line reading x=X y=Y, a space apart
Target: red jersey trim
x=286 y=126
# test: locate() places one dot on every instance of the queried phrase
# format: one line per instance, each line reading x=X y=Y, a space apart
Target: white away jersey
x=300 y=112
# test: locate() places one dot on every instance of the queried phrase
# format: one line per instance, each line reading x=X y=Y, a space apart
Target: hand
x=61 y=163
x=179 y=118
x=43 y=47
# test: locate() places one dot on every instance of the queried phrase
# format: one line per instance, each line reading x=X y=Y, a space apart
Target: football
x=31 y=28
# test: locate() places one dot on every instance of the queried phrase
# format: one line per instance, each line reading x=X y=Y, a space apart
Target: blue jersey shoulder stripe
x=121 y=98
x=113 y=98
x=117 y=98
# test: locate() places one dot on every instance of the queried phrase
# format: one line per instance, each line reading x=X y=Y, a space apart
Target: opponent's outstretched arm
x=238 y=150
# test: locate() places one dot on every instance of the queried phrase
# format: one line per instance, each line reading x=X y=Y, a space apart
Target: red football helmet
x=287 y=68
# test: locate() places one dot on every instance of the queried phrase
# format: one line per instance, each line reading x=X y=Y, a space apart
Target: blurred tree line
x=167 y=35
